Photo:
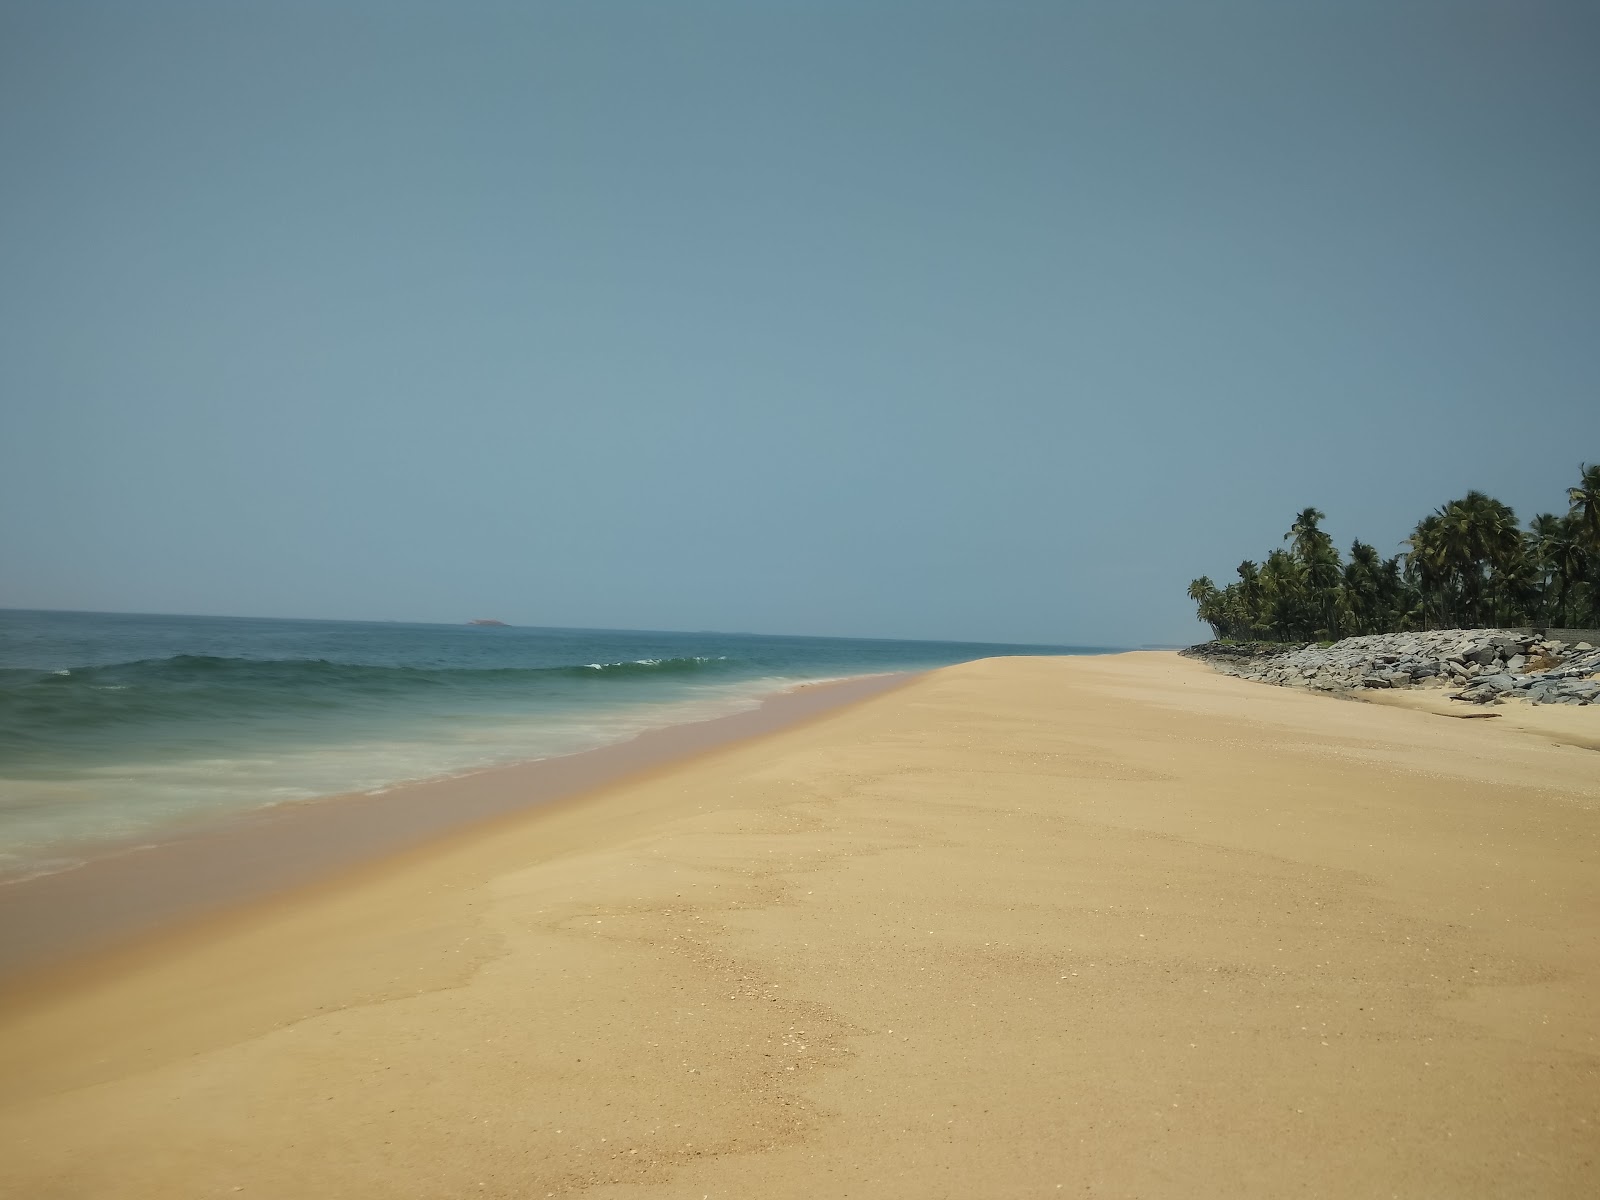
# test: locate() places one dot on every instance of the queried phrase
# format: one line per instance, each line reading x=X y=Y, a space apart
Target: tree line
x=1468 y=564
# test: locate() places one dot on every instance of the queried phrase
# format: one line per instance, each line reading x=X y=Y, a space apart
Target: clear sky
x=982 y=320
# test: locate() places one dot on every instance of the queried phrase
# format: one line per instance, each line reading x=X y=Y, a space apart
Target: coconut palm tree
x=1249 y=595
x=1206 y=597
x=1402 y=601
x=1470 y=552
x=1306 y=533
x=1428 y=567
x=1287 y=611
x=1465 y=563
x=1553 y=552
x=1584 y=507
x=1506 y=588
x=1361 y=595
x=1556 y=545
x=1315 y=550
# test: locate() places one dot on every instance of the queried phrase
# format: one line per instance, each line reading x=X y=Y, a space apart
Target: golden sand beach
x=1112 y=926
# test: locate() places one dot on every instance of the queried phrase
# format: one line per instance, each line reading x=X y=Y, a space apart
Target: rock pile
x=1483 y=665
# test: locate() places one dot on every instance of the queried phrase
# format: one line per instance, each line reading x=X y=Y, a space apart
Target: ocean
x=116 y=728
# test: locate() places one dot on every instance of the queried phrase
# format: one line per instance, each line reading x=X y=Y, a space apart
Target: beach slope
x=1023 y=927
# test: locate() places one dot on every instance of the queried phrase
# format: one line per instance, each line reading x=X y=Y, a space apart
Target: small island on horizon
x=488 y=621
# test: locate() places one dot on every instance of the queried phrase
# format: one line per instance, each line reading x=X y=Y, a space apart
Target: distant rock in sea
x=488 y=621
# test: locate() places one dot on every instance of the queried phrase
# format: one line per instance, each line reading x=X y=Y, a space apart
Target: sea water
x=119 y=727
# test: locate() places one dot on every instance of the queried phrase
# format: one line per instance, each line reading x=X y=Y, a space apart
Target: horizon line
x=468 y=623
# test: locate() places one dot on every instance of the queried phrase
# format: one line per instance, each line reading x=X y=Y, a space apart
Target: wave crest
x=39 y=707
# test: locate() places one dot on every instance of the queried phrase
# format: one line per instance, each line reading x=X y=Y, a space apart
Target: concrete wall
x=1569 y=636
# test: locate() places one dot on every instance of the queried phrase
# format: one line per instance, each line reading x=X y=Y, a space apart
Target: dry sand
x=1572 y=724
x=1028 y=927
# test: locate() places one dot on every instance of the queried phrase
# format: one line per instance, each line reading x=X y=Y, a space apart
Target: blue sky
x=991 y=321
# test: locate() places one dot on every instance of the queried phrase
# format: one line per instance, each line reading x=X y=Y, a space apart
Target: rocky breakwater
x=1479 y=666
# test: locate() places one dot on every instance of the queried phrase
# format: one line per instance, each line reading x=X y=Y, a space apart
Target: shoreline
x=1013 y=926
x=67 y=920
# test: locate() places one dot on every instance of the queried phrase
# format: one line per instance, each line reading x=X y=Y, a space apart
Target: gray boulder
x=1482 y=663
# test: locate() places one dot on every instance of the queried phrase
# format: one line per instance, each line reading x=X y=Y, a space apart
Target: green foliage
x=1466 y=564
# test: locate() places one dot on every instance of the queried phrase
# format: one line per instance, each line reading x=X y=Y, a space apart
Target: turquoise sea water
x=115 y=727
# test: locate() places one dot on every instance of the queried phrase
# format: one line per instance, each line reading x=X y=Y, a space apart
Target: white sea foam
x=168 y=721
x=115 y=804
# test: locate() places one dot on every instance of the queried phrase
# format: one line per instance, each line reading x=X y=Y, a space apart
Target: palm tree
x=1567 y=567
x=1497 y=543
x=1205 y=596
x=1468 y=551
x=1286 y=605
x=1402 y=601
x=1362 y=590
x=1552 y=551
x=1306 y=534
x=1315 y=549
x=1513 y=593
x=1249 y=595
x=1465 y=563
x=1234 y=613
x=1428 y=566
x=1584 y=507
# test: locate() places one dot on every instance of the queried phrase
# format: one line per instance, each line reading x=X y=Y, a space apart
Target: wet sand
x=52 y=922
x=1095 y=926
